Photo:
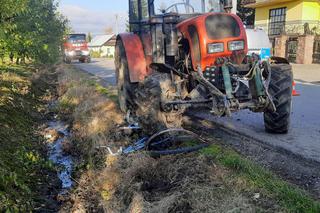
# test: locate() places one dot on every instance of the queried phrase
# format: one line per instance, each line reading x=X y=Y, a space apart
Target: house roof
x=100 y=40
x=263 y=3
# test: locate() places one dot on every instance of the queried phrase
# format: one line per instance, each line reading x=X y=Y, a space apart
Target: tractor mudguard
x=135 y=56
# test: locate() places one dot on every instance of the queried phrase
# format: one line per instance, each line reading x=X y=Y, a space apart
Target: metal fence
x=299 y=27
x=316 y=50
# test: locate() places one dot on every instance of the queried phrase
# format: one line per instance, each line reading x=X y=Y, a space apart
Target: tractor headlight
x=215 y=48
x=68 y=53
x=236 y=45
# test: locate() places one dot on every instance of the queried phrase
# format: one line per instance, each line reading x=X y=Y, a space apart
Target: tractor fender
x=135 y=56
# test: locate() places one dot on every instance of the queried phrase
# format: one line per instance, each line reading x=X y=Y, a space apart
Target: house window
x=277 y=20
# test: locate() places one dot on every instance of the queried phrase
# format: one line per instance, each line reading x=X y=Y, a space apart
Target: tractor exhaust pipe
x=230 y=6
x=227 y=5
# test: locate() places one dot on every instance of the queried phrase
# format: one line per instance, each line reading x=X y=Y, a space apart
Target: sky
x=95 y=16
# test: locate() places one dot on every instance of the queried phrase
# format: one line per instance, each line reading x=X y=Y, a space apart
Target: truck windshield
x=186 y=6
x=74 y=38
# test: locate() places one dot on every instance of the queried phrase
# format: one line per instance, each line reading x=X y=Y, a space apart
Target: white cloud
x=84 y=20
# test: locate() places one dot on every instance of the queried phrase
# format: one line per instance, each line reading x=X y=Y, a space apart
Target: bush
x=95 y=54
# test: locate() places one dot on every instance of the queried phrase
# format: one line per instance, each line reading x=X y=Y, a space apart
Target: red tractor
x=76 y=48
x=193 y=53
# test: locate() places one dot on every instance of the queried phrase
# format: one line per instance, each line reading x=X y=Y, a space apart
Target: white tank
x=258 y=40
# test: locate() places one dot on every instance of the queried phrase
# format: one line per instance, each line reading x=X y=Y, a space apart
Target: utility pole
x=117 y=24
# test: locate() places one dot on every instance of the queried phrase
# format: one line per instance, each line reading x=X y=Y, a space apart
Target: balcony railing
x=244 y=2
x=296 y=27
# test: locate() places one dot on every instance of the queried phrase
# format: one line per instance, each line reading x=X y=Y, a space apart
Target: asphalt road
x=303 y=138
x=100 y=68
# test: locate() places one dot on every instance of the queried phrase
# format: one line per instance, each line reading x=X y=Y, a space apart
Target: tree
x=33 y=29
x=247 y=15
x=89 y=37
x=10 y=8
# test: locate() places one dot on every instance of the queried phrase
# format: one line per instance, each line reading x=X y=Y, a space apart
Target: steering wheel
x=175 y=6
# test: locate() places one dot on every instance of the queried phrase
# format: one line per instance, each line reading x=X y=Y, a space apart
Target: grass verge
x=290 y=197
x=24 y=171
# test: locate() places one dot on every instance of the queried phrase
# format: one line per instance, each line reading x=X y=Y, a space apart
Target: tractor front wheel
x=280 y=89
x=155 y=90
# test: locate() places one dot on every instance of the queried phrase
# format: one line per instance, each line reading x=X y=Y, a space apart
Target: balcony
x=262 y=3
x=245 y=2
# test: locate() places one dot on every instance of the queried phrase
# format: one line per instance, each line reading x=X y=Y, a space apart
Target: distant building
x=293 y=27
x=103 y=44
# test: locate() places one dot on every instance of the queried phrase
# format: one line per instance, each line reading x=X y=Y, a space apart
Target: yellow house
x=293 y=27
x=277 y=16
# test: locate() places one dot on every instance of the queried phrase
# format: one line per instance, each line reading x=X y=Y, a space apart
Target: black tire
x=126 y=89
x=280 y=89
x=178 y=151
x=156 y=88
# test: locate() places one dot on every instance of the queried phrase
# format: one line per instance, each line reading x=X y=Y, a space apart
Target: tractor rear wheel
x=126 y=89
x=280 y=89
x=156 y=89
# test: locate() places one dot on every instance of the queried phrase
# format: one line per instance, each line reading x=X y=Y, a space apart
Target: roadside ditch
x=28 y=180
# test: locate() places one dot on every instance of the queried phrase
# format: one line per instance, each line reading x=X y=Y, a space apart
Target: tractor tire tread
x=149 y=112
x=280 y=89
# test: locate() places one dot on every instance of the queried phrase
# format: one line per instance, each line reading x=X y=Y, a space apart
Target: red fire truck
x=76 y=48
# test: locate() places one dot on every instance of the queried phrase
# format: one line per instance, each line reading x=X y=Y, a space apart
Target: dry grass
x=93 y=113
x=175 y=184
x=94 y=119
x=139 y=183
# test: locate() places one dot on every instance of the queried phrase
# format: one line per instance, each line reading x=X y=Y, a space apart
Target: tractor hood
x=214 y=35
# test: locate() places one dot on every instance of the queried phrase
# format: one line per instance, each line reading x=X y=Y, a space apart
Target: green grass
x=288 y=196
x=109 y=92
x=21 y=156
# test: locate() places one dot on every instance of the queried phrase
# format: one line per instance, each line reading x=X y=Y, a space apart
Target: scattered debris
x=162 y=143
x=130 y=129
x=131 y=126
x=256 y=196
x=52 y=135
x=137 y=146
